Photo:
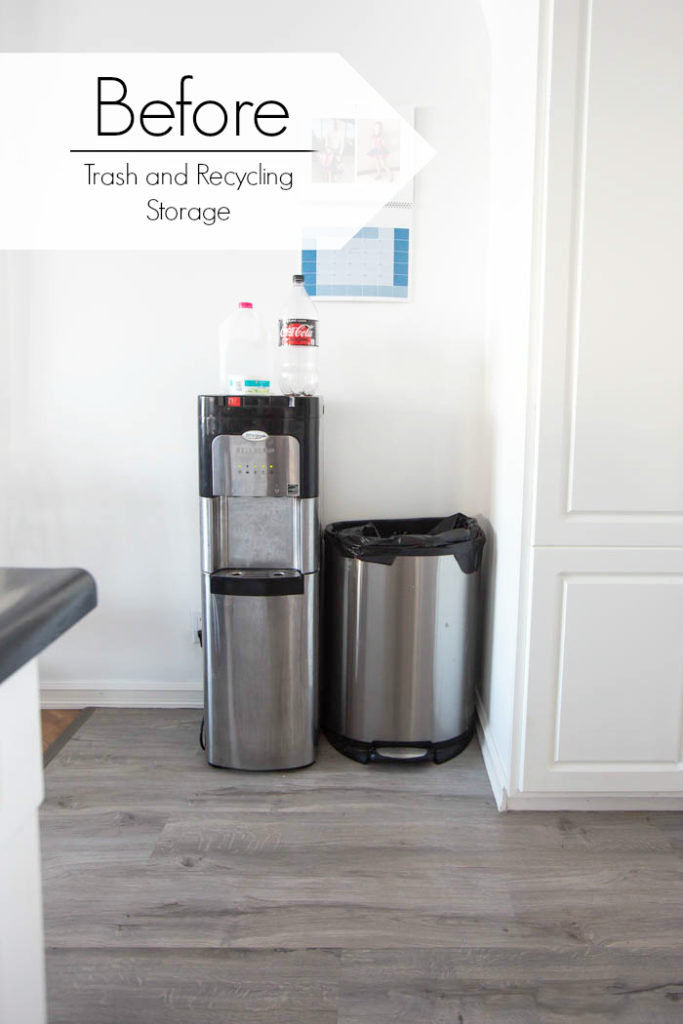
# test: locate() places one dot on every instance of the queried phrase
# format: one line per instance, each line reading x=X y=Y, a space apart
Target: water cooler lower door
x=261 y=668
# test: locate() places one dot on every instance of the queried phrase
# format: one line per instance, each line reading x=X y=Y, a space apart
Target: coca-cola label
x=298 y=332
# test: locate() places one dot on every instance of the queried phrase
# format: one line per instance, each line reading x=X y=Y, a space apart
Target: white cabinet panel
x=627 y=416
x=619 y=667
x=605 y=682
x=610 y=427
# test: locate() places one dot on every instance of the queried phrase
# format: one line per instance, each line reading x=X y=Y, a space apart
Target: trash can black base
x=371 y=753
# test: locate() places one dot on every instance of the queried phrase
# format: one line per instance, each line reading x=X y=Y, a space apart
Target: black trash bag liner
x=382 y=540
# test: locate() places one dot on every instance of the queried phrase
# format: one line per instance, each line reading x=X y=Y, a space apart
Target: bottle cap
x=298 y=279
x=246 y=305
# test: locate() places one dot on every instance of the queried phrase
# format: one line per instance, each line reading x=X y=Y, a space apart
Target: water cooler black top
x=296 y=416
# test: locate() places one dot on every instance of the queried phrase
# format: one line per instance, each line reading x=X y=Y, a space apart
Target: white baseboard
x=492 y=759
x=594 y=802
x=123 y=693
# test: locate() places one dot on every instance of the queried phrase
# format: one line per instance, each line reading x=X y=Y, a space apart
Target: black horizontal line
x=193 y=150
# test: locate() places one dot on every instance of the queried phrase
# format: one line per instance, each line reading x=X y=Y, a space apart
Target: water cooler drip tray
x=257 y=582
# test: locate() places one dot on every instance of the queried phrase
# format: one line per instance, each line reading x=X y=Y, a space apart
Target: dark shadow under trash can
x=401 y=637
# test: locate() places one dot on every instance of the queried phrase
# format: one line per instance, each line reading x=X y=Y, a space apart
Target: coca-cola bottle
x=298 y=349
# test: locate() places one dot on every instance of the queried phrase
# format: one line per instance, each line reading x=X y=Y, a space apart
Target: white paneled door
x=603 y=699
x=610 y=442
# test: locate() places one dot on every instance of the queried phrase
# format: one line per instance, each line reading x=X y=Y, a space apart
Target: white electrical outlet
x=196 y=627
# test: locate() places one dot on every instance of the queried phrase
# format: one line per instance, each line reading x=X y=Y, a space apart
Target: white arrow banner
x=194 y=151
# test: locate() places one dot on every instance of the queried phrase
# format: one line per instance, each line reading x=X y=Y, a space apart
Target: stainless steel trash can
x=401 y=637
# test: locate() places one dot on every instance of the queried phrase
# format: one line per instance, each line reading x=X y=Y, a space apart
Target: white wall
x=117 y=346
x=513 y=31
x=13 y=333
x=5 y=389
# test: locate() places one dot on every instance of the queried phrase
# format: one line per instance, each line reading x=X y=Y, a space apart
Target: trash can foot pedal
x=387 y=751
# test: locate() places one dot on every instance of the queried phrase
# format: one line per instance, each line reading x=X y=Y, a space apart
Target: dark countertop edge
x=48 y=602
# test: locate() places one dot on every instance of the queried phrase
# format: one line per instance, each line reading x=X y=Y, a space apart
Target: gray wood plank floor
x=182 y=894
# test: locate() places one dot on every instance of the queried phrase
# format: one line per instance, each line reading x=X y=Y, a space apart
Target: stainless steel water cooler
x=260 y=560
